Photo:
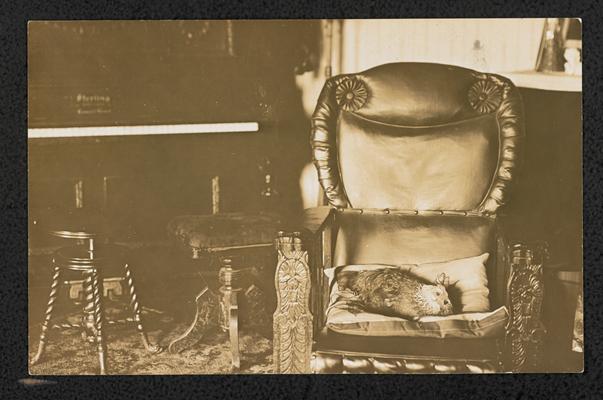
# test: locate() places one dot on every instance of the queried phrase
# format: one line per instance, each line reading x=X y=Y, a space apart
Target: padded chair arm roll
x=322 y=139
x=525 y=290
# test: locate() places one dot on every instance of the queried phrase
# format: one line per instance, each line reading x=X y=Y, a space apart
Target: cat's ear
x=442 y=279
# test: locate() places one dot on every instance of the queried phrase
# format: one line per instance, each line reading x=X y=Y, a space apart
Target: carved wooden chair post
x=525 y=290
x=292 y=318
x=415 y=160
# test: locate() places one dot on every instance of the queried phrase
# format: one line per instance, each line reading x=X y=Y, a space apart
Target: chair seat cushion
x=223 y=230
x=344 y=316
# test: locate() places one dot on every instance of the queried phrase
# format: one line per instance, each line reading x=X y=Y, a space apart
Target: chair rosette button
x=351 y=94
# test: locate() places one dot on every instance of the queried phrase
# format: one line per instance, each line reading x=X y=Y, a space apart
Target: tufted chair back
x=417 y=157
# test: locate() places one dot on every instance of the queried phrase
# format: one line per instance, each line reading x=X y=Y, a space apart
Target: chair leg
x=48 y=315
x=97 y=294
x=153 y=348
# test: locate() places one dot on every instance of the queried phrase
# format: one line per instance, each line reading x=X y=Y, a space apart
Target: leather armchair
x=414 y=160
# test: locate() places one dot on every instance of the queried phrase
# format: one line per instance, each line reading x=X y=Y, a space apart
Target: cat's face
x=437 y=298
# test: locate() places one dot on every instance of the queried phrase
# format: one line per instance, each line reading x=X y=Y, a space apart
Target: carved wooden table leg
x=233 y=330
x=48 y=316
x=153 y=348
x=221 y=309
x=206 y=317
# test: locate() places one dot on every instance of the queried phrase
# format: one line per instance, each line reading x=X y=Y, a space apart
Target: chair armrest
x=525 y=291
x=316 y=219
x=319 y=225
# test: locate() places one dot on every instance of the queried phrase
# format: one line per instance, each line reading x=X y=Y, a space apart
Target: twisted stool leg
x=97 y=293
x=51 y=300
x=88 y=321
x=153 y=348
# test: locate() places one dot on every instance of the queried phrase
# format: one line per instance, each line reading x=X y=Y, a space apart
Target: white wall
x=508 y=44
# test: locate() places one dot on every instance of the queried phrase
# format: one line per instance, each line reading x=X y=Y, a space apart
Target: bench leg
x=233 y=329
x=206 y=317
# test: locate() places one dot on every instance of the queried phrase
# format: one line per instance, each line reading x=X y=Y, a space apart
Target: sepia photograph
x=318 y=196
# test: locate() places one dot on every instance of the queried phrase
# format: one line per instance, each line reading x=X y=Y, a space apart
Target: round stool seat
x=79 y=257
x=79 y=224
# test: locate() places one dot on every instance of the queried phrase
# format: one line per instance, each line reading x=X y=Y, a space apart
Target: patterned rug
x=166 y=283
x=68 y=354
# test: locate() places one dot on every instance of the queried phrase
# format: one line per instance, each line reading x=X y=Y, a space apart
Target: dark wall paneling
x=547 y=201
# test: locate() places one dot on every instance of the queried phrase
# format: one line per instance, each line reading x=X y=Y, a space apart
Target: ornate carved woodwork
x=219 y=234
x=351 y=94
x=237 y=301
x=206 y=318
x=485 y=95
x=525 y=293
x=292 y=323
